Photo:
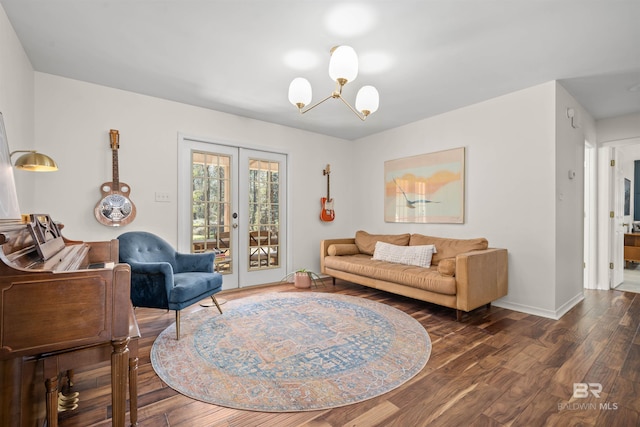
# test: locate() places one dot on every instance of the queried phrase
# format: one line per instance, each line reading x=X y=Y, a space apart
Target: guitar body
x=327 y=214
x=115 y=209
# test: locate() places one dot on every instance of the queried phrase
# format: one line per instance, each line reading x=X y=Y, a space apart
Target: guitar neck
x=114 y=170
x=114 y=136
x=328 y=188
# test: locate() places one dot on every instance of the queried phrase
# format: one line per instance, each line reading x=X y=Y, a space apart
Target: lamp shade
x=300 y=92
x=343 y=64
x=36 y=162
x=367 y=99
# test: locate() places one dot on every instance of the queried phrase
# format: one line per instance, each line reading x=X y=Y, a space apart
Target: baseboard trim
x=537 y=311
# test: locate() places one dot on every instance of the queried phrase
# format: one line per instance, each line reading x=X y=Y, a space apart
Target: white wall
x=569 y=231
x=510 y=184
x=16 y=99
x=619 y=128
x=510 y=194
x=73 y=120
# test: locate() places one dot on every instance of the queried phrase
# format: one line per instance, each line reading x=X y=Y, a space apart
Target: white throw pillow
x=410 y=255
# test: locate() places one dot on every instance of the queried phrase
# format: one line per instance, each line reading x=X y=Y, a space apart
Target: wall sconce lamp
x=34 y=161
x=571 y=114
x=343 y=68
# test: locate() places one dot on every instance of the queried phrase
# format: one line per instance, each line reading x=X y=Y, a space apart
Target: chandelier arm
x=316 y=104
x=352 y=109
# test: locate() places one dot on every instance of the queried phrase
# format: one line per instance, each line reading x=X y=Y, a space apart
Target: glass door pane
x=264 y=214
x=211 y=208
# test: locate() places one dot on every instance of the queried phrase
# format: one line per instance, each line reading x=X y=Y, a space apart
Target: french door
x=232 y=201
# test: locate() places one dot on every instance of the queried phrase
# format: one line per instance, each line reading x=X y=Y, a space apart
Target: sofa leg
x=178 y=325
x=488 y=306
x=333 y=280
x=458 y=315
x=215 y=301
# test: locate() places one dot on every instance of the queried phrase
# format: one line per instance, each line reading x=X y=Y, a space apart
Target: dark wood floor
x=495 y=368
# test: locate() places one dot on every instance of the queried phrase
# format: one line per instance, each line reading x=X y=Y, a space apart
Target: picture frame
x=627 y=197
x=426 y=188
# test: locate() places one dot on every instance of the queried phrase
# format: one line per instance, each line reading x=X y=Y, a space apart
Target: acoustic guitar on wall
x=327 y=213
x=115 y=208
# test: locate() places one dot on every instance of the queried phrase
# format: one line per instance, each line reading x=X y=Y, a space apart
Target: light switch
x=162 y=196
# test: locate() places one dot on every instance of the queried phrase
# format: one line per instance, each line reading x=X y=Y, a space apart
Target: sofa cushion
x=367 y=242
x=410 y=255
x=448 y=248
x=417 y=277
x=338 y=249
x=447 y=267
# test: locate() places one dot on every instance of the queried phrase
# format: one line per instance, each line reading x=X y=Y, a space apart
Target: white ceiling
x=425 y=57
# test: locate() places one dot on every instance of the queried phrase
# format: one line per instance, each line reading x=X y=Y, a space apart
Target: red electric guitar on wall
x=327 y=214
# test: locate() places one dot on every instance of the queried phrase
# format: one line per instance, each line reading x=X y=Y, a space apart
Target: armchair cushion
x=194 y=262
x=190 y=288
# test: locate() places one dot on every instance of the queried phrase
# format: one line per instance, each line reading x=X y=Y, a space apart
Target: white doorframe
x=590 y=217
x=617 y=222
x=604 y=159
x=610 y=256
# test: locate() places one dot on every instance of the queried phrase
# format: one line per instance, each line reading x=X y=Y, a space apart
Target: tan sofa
x=464 y=274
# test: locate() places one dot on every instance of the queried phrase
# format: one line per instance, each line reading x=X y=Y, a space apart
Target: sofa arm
x=481 y=277
x=324 y=248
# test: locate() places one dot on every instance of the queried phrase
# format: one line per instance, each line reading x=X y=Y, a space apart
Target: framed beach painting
x=427 y=188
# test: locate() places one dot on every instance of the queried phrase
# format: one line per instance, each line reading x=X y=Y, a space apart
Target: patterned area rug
x=283 y=352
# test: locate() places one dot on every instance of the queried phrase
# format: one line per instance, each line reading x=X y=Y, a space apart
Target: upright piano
x=63 y=305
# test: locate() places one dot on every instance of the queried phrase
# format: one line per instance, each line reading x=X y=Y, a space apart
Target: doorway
x=615 y=163
x=232 y=201
x=630 y=154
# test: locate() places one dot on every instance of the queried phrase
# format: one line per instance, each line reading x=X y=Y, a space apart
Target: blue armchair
x=161 y=277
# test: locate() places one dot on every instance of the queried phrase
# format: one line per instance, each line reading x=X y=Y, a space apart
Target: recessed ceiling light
x=350 y=20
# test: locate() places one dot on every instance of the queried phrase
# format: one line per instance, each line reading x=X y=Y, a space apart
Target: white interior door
x=617 y=221
x=232 y=201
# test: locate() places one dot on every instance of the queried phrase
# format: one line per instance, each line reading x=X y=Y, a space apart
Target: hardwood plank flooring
x=494 y=368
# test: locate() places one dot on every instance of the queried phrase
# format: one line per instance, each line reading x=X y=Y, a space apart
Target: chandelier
x=343 y=68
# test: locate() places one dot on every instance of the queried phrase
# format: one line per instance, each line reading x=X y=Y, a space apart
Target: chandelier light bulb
x=367 y=100
x=300 y=92
x=343 y=65
x=343 y=68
